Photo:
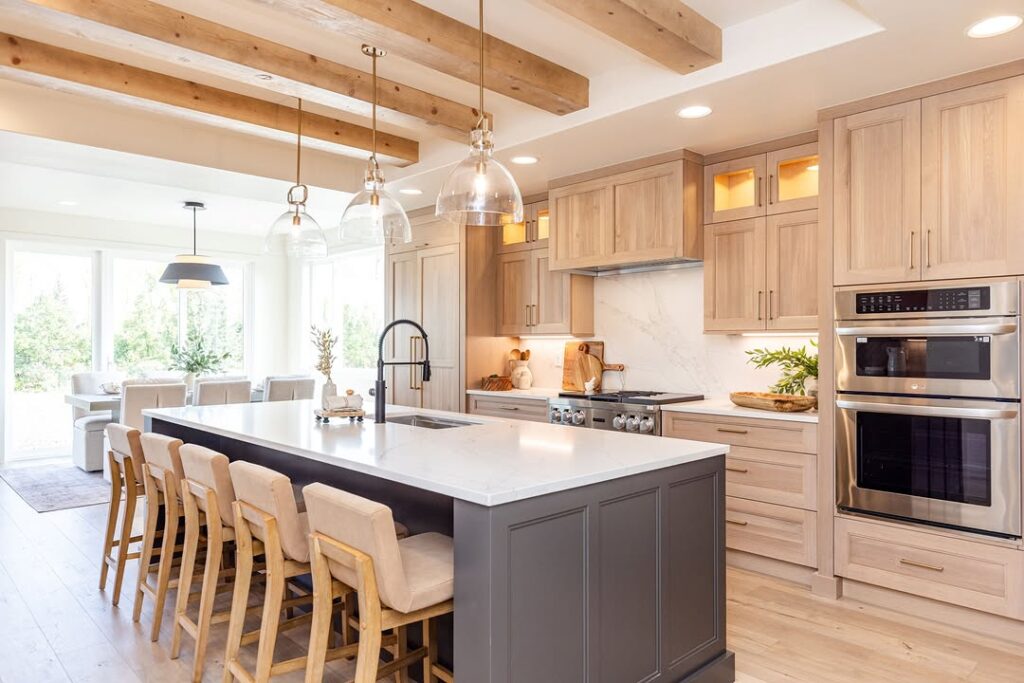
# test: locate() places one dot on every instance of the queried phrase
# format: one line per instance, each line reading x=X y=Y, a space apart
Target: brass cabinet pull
x=771 y=178
x=922 y=565
x=412 y=357
x=736 y=522
x=534 y=317
x=757 y=191
x=760 y=299
x=928 y=249
x=727 y=430
x=508 y=408
x=527 y=315
x=741 y=470
x=912 y=234
x=771 y=294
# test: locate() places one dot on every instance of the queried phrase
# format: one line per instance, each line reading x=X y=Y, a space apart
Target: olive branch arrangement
x=798 y=365
x=324 y=341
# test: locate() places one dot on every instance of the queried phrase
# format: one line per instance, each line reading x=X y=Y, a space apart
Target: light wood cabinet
x=779 y=181
x=533 y=299
x=515 y=292
x=792 y=271
x=793 y=179
x=530 y=409
x=532 y=233
x=972 y=190
x=643 y=215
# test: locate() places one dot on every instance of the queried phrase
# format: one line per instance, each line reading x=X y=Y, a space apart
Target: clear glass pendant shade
x=296 y=234
x=374 y=216
x=480 y=191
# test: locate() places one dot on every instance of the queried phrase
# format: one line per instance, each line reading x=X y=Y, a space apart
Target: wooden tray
x=496 y=383
x=780 y=403
x=352 y=414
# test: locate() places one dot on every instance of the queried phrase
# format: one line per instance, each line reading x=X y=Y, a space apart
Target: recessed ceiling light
x=68 y=202
x=411 y=191
x=696 y=111
x=994 y=26
x=524 y=160
x=264 y=77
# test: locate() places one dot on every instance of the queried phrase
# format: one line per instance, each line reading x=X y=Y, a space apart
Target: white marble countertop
x=491 y=462
x=727 y=408
x=538 y=393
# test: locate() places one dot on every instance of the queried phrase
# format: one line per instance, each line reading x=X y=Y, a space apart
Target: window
x=217 y=314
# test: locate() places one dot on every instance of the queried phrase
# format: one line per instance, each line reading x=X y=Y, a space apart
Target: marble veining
x=491 y=462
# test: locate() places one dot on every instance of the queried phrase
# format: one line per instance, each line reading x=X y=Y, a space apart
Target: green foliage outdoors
x=798 y=365
x=150 y=331
x=196 y=357
x=358 y=337
x=48 y=345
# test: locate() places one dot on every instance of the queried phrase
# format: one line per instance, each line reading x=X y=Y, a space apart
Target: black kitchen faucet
x=379 y=387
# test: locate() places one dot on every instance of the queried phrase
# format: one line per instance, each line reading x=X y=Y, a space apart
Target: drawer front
x=963 y=572
x=775 y=531
x=768 y=476
x=534 y=410
x=780 y=435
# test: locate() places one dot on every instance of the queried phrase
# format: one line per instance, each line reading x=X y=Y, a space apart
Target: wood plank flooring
x=56 y=626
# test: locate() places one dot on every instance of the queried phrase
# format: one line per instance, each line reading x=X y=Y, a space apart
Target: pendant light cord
x=194 y=250
x=298 y=150
x=373 y=153
x=481 y=21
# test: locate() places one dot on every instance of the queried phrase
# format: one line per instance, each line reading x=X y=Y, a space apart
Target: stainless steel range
x=621 y=411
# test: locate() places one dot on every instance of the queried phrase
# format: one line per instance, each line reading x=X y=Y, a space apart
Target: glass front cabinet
x=531 y=233
x=762 y=185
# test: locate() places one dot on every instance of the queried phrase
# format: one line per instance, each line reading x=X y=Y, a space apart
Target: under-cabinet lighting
x=994 y=26
x=696 y=111
x=793 y=335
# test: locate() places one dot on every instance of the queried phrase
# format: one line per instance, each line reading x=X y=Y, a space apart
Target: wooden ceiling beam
x=31 y=57
x=667 y=31
x=240 y=56
x=435 y=40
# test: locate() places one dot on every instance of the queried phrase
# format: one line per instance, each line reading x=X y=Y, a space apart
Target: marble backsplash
x=652 y=322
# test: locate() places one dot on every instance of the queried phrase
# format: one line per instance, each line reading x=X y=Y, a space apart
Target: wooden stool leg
x=320 y=631
x=146 y=557
x=240 y=597
x=188 y=568
x=214 y=552
x=370 y=635
x=127 y=520
x=272 y=599
x=115 y=507
x=401 y=649
x=163 y=576
x=430 y=642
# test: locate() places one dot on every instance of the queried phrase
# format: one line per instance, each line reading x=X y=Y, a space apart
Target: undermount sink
x=428 y=421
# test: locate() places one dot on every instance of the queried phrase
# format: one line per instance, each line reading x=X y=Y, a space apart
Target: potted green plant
x=324 y=341
x=799 y=368
x=195 y=358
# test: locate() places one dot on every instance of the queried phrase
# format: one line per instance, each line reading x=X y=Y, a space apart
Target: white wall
x=653 y=323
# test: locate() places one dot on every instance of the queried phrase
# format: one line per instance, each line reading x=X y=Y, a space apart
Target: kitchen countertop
x=727 y=408
x=490 y=462
x=537 y=393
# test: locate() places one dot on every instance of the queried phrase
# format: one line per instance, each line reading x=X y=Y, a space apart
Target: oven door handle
x=929 y=330
x=928 y=411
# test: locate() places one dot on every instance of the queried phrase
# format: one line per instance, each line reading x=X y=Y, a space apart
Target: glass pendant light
x=480 y=191
x=295 y=233
x=193 y=271
x=374 y=216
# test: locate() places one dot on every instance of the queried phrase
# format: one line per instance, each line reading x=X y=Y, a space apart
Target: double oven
x=928 y=404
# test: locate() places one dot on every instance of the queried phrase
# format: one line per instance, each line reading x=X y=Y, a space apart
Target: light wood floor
x=56 y=626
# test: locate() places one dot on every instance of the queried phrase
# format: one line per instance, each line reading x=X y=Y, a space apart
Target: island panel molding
x=153 y=30
x=60 y=69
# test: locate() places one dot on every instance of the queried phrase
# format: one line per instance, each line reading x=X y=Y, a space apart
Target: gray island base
x=617 y=581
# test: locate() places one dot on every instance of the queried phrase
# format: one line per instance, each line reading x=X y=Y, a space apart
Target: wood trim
x=917 y=92
x=762 y=147
x=23 y=56
x=779 y=569
x=667 y=31
x=225 y=51
x=428 y=37
x=625 y=167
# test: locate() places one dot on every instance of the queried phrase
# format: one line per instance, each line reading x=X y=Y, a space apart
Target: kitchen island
x=580 y=555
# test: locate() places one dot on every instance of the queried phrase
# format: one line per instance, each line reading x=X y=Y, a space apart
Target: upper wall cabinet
x=641 y=216
x=930 y=189
x=762 y=185
x=531 y=233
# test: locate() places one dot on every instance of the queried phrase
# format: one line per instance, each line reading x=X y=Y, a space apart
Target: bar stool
x=125 y=459
x=207 y=496
x=398 y=582
x=162 y=475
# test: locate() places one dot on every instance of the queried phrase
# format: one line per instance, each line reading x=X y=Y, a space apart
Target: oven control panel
x=924 y=300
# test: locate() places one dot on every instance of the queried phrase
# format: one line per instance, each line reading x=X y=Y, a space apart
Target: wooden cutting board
x=572 y=374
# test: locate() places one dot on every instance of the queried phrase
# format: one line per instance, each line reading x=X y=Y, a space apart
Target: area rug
x=57 y=487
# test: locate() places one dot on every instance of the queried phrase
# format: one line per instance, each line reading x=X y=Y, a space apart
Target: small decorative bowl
x=111 y=387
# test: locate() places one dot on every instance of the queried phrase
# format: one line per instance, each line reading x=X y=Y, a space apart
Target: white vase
x=329 y=390
x=189 y=379
x=521 y=376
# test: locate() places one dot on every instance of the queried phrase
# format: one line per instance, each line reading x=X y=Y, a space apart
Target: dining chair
x=137 y=396
x=87 y=432
x=220 y=392
x=288 y=388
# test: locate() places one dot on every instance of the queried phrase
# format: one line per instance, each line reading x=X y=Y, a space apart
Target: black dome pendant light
x=193 y=271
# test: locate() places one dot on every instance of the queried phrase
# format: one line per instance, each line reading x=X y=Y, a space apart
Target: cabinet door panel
x=514 y=293
x=648 y=214
x=878 y=195
x=973 y=159
x=792 y=271
x=551 y=300
x=734 y=189
x=403 y=293
x=581 y=223
x=439 y=306
x=793 y=179
x=734 y=276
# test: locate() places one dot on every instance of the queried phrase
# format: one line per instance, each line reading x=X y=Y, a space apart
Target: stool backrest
x=210 y=469
x=126 y=444
x=288 y=388
x=220 y=392
x=271 y=493
x=136 y=397
x=90 y=383
x=162 y=458
x=367 y=526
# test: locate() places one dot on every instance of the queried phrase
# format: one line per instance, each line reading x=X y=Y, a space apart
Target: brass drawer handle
x=741 y=470
x=508 y=407
x=922 y=565
x=726 y=430
x=736 y=522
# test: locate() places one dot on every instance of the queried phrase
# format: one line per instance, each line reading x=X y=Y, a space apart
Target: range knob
x=566 y=416
x=647 y=425
x=619 y=422
x=632 y=423
x=556 y=415
x=578 y=417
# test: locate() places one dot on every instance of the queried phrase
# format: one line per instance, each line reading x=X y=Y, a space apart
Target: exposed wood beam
x=28 y=56
x=240 y=56
x=667 y=31
x=435 y=40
